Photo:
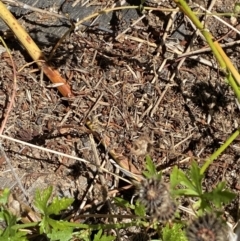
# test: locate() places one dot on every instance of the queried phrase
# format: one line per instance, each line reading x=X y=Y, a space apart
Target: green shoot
x=173 y=233
x=191 y=186
x=151 y=171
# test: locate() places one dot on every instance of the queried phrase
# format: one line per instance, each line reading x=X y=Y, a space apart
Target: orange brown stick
x=34 y=51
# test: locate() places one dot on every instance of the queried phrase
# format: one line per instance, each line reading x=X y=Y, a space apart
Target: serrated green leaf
x=41 y=199
x=10 y=220
x=60 y=225
x=219 y=196
x=220 y=186
x=100 y=237
x=83 y=235
x=174 y=178
x=196 y=177
x=151 y=168
x=63 y=235
x=4 y=196
x=202 y=206
x=19 y=236
x=179 y=177
x=185 y=192
x=58 y=205
x=140 y=209
x=173 y=233
x=44 y=225
x=123 y=203
x=9 y=233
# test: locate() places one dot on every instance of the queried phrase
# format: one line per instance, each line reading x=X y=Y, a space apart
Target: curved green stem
x=219 y=151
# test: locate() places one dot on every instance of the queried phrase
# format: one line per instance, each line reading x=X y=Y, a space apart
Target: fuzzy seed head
x=207 y=228
x=155 y=196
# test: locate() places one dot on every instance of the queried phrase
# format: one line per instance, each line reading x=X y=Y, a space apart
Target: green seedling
x=173 y=233
x=9 y=233
x=189 y=184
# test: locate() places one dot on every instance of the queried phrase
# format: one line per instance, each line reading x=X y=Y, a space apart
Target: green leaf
x=47 y=225
x=174 y=178
x=9 y=233
x=25 y=225
x=185 y=192
x=123 y=203
x=174 y=233
x=4 y=196
x=100 y=237
x=219 y=196
x=141 y=5
x=10 y=220
x=196 y=177
x=19 y=236
x=63 y=235
x=140 y=209
x=179 y=177
x=83 y=235
x=41 y=199
x=44 y=225
x=60 y=225
x=202 y=206
x=193 y=182
x=58 y=205
x=151 y=170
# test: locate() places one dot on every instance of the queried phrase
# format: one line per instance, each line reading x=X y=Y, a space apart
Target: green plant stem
x=87 y=226
x=226 y=65
x=107 y=226
x=234 y=86
x=219 y=151
x=187 y=10
x=224 y=61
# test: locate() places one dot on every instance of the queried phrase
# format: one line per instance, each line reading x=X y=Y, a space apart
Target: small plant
x=154 y=198
x=55 y=230
x=9 y=221
x=173 y=233
x=190 y=185
x=207 y=226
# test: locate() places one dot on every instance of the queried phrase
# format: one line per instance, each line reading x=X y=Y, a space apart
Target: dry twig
x=34 y=51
